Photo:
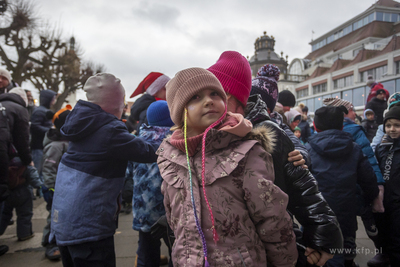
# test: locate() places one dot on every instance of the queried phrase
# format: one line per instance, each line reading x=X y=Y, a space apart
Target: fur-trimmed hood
x=265 y=135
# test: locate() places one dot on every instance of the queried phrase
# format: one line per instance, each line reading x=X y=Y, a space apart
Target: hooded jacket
x=91 y=174
x=18 y=118
x=358 y=134
x=338 y=165
x=390 y=170
x=54 y=147
x=40 y=124
x=249 y=211
x=321 y=229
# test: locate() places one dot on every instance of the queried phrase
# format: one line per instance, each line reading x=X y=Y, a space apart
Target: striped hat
x=336 y=102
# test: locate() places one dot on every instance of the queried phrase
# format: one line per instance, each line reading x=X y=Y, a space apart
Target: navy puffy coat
x=338 y=165
x=91 y=174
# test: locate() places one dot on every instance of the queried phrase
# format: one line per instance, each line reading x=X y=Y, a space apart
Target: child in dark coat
x=388 y=156
x=369 y=124
x=147 y=201
x=54 y=147
x=338 y=165
x=91 y=174
x=21 y=199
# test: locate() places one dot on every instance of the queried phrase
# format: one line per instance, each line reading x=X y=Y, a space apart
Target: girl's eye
x=195 y=97
x=214 y=93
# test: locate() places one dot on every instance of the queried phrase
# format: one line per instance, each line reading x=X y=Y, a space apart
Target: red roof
x=378 y=29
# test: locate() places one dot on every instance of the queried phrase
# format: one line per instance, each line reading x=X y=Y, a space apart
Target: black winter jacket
x=138 y=113
x=39 y=122
x=378 y=106
x=338 y=164
x=305 y=131
x=390 y=167
x=370 y=128
x=321 y=229
x=18 y=124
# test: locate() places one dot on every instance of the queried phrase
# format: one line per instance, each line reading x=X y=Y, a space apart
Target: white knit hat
x=5 y=73
x=21 y=92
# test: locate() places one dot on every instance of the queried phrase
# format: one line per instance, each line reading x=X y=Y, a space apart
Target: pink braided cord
x=203 y=170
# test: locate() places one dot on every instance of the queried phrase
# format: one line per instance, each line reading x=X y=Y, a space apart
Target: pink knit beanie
x=234 y=72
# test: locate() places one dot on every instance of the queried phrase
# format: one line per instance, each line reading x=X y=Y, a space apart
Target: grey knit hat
x=184 y=85
x=104 y=89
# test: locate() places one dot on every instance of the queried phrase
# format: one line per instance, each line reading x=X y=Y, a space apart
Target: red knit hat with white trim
x=151 y=84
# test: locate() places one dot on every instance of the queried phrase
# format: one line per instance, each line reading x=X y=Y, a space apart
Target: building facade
x=342 y=59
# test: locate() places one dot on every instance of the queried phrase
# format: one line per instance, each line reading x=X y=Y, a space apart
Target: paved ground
x=30 y=253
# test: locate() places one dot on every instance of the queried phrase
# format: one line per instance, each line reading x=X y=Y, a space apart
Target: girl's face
x=392 y=128
x=203 y=109
x=297 y=134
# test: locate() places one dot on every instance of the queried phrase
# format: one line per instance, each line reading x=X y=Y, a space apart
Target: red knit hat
x=234 y=73
x=151 y=84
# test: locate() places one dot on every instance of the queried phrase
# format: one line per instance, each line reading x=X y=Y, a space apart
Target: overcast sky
x=133 y=38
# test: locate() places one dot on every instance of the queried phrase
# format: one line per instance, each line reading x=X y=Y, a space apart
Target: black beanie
x=287 y=99
x=393 y=113
x=329 y=117
x=59 y=117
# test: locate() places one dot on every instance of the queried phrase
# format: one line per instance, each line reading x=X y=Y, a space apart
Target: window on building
x=319 y=88
x=343 y=82
x=348 y=95
x=317 y=102
x=355 y=26
x=398 y=85
x=347 y=30
x=359 y=96
x=397 y=65
x=302 y=93
x=310 y=104
x=371 y=17
x=377 y=73
x=390 y=86
x=336 y=95
x=386 y=17
x=379 y=16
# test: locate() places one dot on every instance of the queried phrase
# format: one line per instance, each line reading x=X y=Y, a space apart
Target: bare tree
x=35 y=52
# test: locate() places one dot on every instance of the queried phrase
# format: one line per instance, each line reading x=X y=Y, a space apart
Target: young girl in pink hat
x=218 y=188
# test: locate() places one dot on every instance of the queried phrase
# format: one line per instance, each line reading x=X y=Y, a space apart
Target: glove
x=48 y=194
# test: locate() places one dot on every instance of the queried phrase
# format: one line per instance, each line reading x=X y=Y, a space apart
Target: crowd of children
x=227 y=162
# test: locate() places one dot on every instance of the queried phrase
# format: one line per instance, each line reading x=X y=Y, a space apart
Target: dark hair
x=305 y=109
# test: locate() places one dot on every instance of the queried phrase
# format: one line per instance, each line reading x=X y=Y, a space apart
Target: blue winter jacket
x=147 y=201
x=91 y=174
x=358 y=134
x=338 y=165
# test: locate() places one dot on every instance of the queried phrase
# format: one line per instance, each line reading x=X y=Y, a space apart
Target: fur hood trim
x=265 y=136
